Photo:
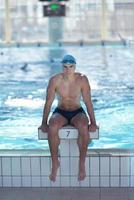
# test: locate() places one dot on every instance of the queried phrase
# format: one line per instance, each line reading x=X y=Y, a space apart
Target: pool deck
x=66 y=193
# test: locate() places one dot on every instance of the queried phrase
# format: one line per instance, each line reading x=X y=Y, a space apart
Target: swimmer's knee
x=83 y=125
x=53 y=126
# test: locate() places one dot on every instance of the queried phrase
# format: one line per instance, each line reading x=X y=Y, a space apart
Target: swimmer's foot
x=82 y=172
x=53 y=174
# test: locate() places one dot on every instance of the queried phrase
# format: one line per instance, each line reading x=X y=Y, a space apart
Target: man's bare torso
x=68 y=91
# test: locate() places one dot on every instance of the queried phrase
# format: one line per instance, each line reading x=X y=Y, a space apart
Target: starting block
x=67 y=132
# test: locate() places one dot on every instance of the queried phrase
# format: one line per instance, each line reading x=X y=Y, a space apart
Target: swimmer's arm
x=50 y=95
x=86 y=94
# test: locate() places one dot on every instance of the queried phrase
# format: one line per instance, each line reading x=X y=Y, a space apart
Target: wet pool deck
x=67 y=193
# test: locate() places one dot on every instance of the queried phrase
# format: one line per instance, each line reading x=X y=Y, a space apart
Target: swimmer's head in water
x=68 y=59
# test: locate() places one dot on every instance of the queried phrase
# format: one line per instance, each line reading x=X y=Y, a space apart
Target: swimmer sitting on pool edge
x=69 y=86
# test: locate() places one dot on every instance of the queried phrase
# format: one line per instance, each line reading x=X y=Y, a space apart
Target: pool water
x=24 y=75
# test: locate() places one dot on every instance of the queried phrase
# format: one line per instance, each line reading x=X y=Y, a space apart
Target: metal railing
x=22 y=21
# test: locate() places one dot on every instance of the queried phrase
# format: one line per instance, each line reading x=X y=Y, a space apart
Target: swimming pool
x=24 y=74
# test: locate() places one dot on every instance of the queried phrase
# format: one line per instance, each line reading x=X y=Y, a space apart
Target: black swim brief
x=69 y=114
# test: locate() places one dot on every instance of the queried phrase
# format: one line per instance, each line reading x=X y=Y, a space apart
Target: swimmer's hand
x=44 y=128
x=92 y=127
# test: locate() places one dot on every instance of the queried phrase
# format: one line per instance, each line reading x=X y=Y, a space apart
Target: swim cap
x=68 y=59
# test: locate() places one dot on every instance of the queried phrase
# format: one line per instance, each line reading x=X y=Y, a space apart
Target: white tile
x=65 y=166
x=16 y=181
x=36 y=182
x=94 y=166
x=45 y=165
x=114 y=166
x=114 y=181
x=64 y=147
x=104 y=166
x=65 y=181
x=132 y=181
x=124 y=181
x=87 y=165
x=7 y=181
x=35 y=166
x=74 y=150
x=25 y=166
x=74 y=181
x=94 y=181
x=26 y=181
x=104 y=181
x=74 y=165
x=45 y=181
x=132 y=165
x=124 y=166
x=16 y=169
x=0 y=166
x=0 y=181
x=56 y=183
x=85 y=182
x=6 y=166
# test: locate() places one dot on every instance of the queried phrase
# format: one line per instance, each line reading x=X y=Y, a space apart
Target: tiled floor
x=67 y=193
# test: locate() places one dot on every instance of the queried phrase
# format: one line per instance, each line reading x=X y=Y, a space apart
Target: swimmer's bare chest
x=69 y=94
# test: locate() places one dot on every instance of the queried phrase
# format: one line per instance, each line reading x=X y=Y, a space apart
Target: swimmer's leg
x=55 y=123
x=80 y=121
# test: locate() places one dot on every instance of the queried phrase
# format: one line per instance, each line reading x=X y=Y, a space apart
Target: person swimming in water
x=70 y=86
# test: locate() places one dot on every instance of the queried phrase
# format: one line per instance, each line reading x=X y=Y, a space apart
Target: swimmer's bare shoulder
x=82 y=78
x=54 y=83
x=55 y=79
